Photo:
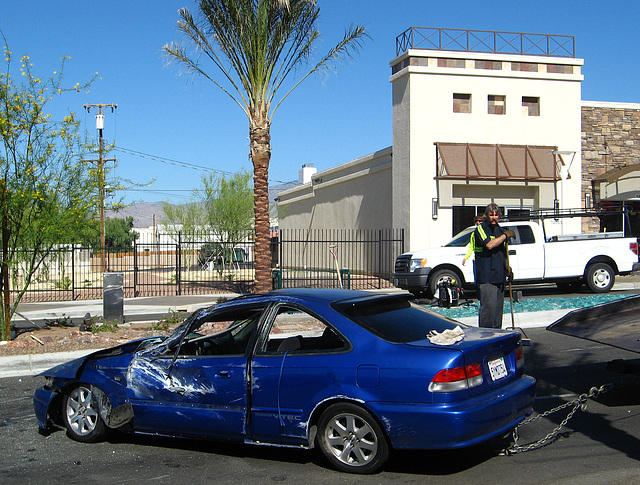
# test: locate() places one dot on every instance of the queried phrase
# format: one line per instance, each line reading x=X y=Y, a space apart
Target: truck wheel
x=440 y=275
x=600 y=277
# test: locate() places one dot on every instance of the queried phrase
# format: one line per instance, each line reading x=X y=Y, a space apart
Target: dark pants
x=491 y=305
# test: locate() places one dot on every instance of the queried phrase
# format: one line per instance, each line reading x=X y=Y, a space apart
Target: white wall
x=423 y=114
x=354 y=195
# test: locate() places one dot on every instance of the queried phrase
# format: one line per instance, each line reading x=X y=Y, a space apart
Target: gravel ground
x=66 y=339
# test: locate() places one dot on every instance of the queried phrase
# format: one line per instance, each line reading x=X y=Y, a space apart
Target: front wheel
x=441 y=275
x=351 y=439
x=600 y=277
x=81 y=415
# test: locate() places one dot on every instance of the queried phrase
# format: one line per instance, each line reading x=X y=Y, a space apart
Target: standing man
x=491 y=266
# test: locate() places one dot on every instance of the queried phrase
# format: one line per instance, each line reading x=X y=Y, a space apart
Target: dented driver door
x=199 y=395
x=200 y=388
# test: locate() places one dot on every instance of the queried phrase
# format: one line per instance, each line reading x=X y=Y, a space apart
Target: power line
x=169 y=161
x=178 y=163
x=168 y=192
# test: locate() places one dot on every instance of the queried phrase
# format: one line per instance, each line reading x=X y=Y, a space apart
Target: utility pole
x=101 y=175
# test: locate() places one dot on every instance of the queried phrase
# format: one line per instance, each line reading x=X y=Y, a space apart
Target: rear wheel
x=351 y=439
x=81 y=415
x=600 y=277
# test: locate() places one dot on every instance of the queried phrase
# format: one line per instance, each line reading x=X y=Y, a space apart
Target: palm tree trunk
x=260 y=139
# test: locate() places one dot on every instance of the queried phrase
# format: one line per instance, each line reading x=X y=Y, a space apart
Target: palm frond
x=257 y=45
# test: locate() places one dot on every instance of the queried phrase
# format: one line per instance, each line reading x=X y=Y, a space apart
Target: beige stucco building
x=469 y=128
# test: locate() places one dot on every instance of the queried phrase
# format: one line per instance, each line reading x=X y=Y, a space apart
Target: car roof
x=320 y=295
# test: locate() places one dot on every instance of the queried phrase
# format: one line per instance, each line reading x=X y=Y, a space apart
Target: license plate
x=497 y=369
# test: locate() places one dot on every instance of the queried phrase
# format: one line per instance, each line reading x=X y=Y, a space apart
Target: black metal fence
x=329 y=258
x=485 y=41
x=190 y=264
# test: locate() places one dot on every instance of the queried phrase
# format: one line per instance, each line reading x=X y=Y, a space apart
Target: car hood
x=73 y=368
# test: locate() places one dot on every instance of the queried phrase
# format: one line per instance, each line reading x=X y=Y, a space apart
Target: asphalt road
x=599 y=445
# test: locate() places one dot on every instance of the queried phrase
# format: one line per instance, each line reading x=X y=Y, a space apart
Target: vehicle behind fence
x=198 y=263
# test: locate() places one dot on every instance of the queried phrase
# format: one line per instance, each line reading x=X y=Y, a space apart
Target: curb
x=34 y=364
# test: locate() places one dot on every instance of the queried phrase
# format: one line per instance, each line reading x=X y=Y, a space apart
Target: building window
x=530 y=106
x=492 y=65
x=524 y=66
x=461 y=103
x=559 y=69
x=497 y=104
x=451 y=63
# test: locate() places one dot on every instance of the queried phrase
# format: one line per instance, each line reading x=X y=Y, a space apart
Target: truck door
x=526 y=257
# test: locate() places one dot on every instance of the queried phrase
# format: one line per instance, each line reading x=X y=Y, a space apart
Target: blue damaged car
x=350 y=372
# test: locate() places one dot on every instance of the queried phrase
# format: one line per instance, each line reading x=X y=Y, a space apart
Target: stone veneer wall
x=610 y=140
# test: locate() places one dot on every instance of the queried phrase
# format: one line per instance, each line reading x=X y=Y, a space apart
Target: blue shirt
x=490 y=263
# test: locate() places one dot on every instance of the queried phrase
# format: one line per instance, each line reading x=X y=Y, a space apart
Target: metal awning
x=497 y=162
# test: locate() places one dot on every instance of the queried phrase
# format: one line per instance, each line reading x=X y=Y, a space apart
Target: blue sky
x=328 y=120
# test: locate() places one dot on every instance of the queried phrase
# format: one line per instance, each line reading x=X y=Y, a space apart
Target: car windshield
x=462 y=238
x=394 y=319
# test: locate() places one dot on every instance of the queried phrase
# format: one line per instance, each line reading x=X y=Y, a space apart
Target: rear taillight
x=634 y=247
x=519 y=357
x=457 y=379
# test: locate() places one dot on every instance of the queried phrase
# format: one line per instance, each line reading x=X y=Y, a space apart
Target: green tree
x=47 y=193
x=119 y=233
x=223 y=207
x=228 y=205
x=186 y=219
x=257 y=46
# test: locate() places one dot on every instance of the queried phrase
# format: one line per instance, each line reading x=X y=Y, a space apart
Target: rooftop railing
x=485 y=41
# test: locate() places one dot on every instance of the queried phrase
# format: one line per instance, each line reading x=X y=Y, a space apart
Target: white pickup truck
x=567 y=260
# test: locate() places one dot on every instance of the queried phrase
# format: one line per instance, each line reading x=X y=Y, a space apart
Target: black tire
x=81 y=415
x=351 y=439
x=441 y=274
x=600 y=277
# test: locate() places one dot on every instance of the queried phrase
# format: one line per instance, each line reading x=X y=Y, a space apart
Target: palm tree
x=257 y=46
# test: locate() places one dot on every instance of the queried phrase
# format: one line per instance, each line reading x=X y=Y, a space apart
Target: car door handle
x=223 y=374
x=512 y=251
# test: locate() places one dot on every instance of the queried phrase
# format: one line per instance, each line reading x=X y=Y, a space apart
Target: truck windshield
x=462 y=238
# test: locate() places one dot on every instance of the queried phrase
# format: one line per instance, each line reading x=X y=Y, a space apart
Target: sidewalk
x=153 y=308
x=144 y=309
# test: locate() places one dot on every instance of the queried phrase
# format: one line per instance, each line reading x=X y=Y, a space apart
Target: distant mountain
x=142 y=213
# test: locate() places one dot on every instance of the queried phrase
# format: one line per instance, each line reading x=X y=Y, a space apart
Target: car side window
x=223 y=334
x=296 y=331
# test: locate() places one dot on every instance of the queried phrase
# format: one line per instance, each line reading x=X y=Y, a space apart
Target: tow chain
x=579 y=403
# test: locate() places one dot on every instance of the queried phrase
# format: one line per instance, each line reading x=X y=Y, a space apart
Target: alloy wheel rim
x=81 y=414
x=352 y=440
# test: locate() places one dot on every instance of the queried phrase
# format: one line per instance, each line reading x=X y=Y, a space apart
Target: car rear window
x=394 y=319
